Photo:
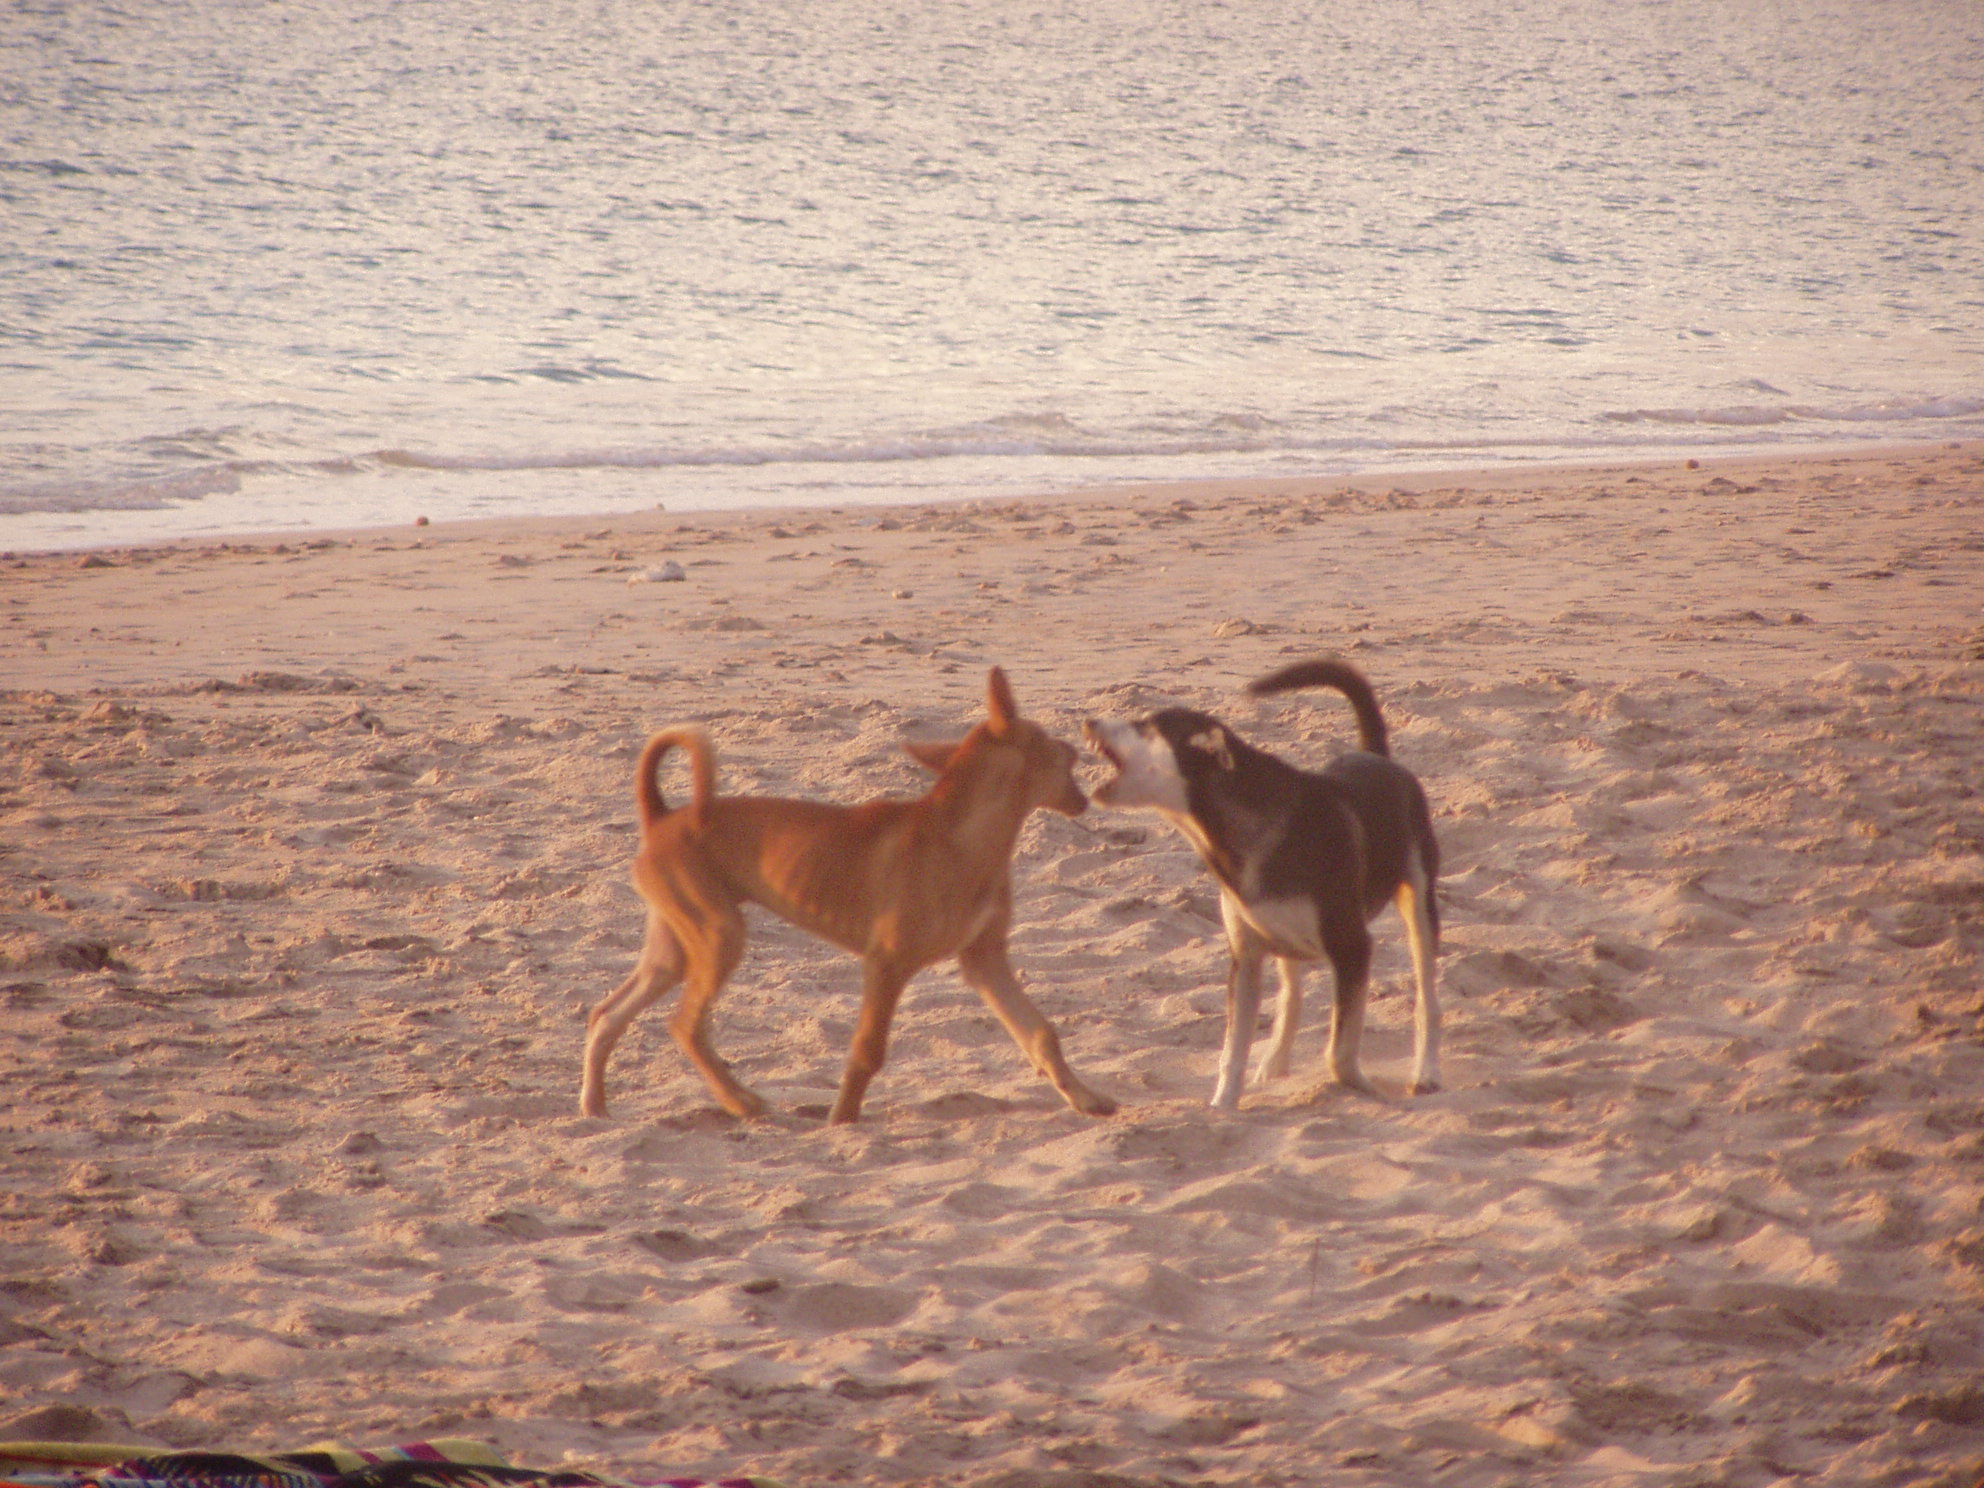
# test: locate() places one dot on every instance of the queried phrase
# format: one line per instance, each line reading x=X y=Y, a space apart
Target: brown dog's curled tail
x=702 y=774
x=1331 y=671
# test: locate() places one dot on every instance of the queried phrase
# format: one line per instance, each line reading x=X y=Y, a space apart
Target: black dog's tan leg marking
x=1415 y=907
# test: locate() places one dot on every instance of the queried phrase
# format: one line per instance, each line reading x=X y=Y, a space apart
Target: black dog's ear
x=1213 y=742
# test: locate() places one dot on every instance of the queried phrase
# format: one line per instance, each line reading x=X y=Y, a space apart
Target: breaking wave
x=140 y=494
x=1893 y=410
x=1047 y=437
x=1056 y=445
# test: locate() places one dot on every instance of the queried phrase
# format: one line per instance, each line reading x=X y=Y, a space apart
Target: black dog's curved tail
x=1333 y=671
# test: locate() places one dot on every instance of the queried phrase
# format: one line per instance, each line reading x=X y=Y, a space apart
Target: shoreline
x=1514 y=474
x=313 y=851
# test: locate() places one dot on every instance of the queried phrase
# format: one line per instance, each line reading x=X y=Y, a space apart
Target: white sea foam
x=1893 y=410
x=291 y=266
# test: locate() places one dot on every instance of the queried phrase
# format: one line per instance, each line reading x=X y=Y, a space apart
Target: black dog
x=1304 y=860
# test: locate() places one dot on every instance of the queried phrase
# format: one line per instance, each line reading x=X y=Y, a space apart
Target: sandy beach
x=315 y=851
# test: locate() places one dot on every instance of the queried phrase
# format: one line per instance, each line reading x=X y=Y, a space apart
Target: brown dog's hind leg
x=1423 y=931
x=658 y=970
x=990 y=974
x=712 y=956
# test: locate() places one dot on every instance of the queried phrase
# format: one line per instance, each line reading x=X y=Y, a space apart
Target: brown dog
x=902 y=884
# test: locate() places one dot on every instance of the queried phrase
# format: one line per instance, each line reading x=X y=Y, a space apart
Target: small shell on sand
x=670 y=572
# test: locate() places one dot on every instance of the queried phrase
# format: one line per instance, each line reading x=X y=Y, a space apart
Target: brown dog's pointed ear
x=999 y=704
x=934 y=755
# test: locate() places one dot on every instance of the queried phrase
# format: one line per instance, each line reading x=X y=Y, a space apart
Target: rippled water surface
x=271 y=265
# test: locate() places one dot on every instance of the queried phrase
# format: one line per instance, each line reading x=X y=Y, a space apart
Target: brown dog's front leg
x=990 y=974
x=881 y=990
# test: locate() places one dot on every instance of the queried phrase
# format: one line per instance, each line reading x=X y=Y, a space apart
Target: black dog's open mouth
x=1092 y=736
x=1105 y=792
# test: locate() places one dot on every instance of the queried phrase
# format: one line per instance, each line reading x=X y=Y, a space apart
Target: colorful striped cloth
x=451 y=1463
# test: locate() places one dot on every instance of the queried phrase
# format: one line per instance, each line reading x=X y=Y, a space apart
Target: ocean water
x=280 y=264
